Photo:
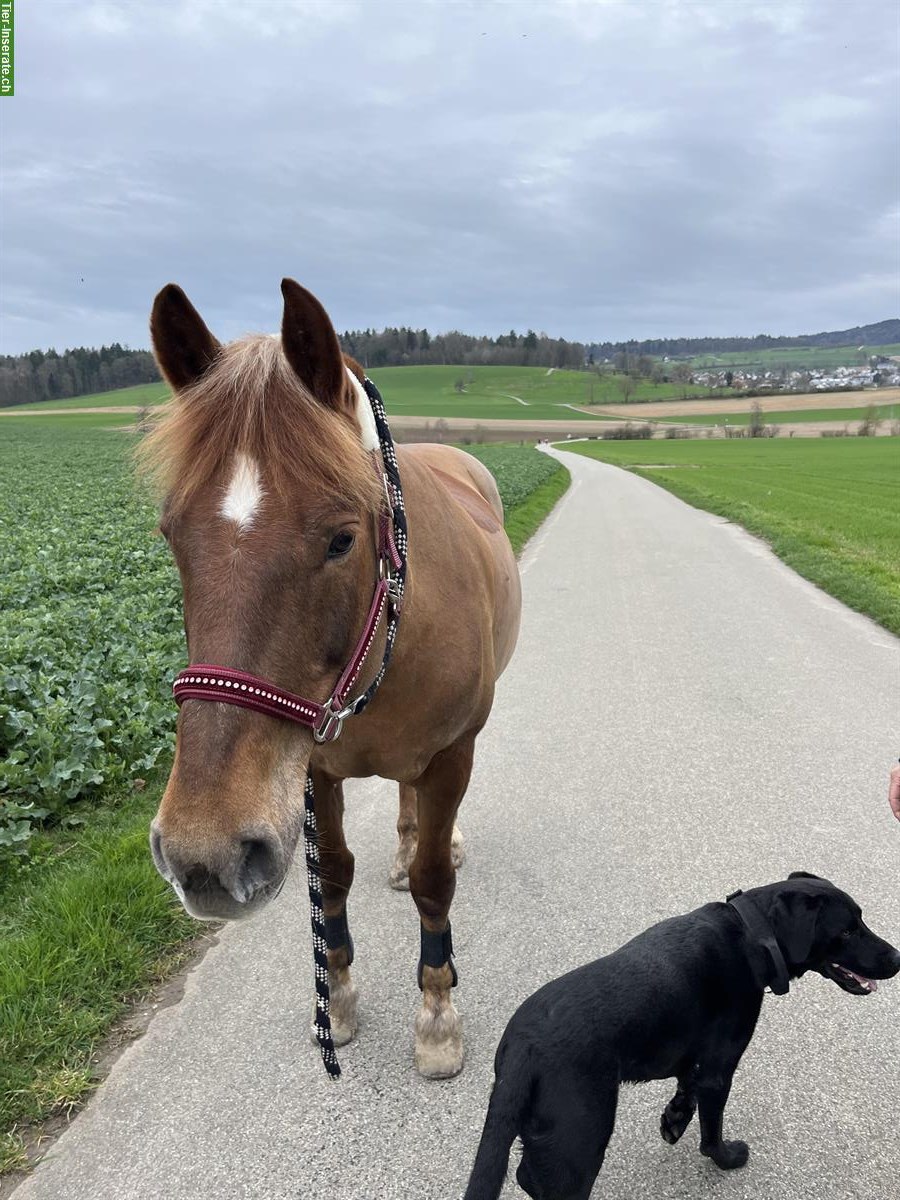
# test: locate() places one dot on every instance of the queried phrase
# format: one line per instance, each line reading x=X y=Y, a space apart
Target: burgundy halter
x=204 y=681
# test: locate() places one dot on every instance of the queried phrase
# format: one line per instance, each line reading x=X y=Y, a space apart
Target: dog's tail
x=504 y=1115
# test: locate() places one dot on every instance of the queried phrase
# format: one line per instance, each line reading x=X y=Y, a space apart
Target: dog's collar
x=763 y=936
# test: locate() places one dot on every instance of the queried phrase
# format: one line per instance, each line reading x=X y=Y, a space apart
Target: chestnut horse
x=272 y=510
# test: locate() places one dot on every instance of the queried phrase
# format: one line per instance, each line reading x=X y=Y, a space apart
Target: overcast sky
x=592 y=169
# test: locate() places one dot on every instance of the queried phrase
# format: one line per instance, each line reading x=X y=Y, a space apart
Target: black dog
x=681 y=999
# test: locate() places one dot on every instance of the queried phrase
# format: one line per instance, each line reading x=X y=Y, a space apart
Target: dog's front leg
x=712 y=1096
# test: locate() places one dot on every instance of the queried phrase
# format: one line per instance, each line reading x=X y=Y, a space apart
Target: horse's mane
x=251 y=401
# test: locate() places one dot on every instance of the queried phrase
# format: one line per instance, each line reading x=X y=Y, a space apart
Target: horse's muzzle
x=228 y=885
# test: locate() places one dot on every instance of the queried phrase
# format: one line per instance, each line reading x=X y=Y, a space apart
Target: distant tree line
x=47 y=375
x=404 y=346
x=880 y=334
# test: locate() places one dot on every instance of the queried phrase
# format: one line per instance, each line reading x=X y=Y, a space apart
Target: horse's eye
x=341 y=544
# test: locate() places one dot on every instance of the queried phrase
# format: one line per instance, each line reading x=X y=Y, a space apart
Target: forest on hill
x=48 y=375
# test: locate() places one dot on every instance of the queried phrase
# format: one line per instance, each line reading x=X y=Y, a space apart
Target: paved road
x=683 y=716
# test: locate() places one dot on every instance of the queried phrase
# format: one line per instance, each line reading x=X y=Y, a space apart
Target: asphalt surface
x=684 y=716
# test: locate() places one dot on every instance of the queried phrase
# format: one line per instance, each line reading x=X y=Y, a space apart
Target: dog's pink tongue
x=861 y=979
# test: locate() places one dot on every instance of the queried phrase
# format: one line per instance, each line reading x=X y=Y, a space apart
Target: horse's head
x=271 y=506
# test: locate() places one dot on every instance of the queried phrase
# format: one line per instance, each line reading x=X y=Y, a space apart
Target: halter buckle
x=386 y=573
x=329 y=728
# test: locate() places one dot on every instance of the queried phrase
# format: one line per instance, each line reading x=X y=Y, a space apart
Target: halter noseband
x=205 y=681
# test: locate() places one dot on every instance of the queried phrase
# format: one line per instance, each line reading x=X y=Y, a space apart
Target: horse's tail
x=508 y=1100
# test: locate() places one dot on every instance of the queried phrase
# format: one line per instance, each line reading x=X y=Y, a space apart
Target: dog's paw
x=727 y=1155
x=674 y=1121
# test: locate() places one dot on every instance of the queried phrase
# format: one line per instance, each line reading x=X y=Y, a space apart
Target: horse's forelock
x=251 y=402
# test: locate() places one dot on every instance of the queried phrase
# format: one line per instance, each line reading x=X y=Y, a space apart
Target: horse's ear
x=311 y=346
x=183 y=345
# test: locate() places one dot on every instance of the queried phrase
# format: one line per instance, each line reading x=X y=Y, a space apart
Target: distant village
x=880 y=371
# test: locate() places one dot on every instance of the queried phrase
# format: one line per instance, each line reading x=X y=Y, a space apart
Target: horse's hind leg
x=408 y=831
x=337 y=877
x=432 y=879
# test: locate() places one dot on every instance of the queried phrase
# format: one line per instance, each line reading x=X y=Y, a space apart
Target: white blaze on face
x=244 y=493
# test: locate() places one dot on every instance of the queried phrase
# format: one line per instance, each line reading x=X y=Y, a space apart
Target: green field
x=90 y=638
x=803 y=358
x=827 y=507
x=431 y=392
x=799 y=416
x=140 y=395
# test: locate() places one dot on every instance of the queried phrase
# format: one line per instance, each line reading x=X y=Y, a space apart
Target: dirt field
x=696 y=408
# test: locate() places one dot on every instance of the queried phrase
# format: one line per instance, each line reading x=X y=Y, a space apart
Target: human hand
x=894 y=791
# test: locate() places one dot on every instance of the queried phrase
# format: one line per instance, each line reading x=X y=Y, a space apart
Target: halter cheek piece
x=204 y=681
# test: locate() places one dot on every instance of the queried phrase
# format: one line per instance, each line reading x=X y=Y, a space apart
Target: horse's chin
x=214 y=903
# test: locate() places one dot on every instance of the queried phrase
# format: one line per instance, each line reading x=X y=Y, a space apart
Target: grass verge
x=87 y=927
x=827 y=508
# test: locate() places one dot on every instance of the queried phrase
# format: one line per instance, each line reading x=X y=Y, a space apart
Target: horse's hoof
x=457 y=848
x=340 y=1034
x=439 y=1042
x=399 y=878
x=343 y=1004
x=440 y=1061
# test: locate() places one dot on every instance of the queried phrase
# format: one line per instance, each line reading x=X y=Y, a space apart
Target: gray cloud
x=592 y=169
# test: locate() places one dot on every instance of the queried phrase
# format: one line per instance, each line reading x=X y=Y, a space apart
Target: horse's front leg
x=432 y=879
x=337 y=877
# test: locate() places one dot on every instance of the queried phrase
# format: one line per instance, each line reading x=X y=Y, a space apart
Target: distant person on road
x=894 y=791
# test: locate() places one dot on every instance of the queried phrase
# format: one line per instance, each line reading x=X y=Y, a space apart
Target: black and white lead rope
x=394 y=494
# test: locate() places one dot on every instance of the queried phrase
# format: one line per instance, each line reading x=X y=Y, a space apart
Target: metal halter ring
x=329 y=730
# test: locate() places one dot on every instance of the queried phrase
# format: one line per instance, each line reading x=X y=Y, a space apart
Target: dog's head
x=820 y=928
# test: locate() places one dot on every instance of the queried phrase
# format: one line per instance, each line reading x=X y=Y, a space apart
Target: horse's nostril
x=199 y=879
x=258 y=867
x=157 y=852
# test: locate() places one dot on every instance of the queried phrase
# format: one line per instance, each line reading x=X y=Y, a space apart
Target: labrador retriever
x=680 y=1000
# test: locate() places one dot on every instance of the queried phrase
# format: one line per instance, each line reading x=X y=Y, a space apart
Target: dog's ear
x=795 y=915
x=804 y=875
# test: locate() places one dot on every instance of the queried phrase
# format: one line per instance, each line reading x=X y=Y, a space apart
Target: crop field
x=827 y=507
x=800 y=357
x=514 y=393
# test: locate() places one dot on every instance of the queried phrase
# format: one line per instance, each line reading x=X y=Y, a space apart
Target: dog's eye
x=847 y=933
x=341 y=544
